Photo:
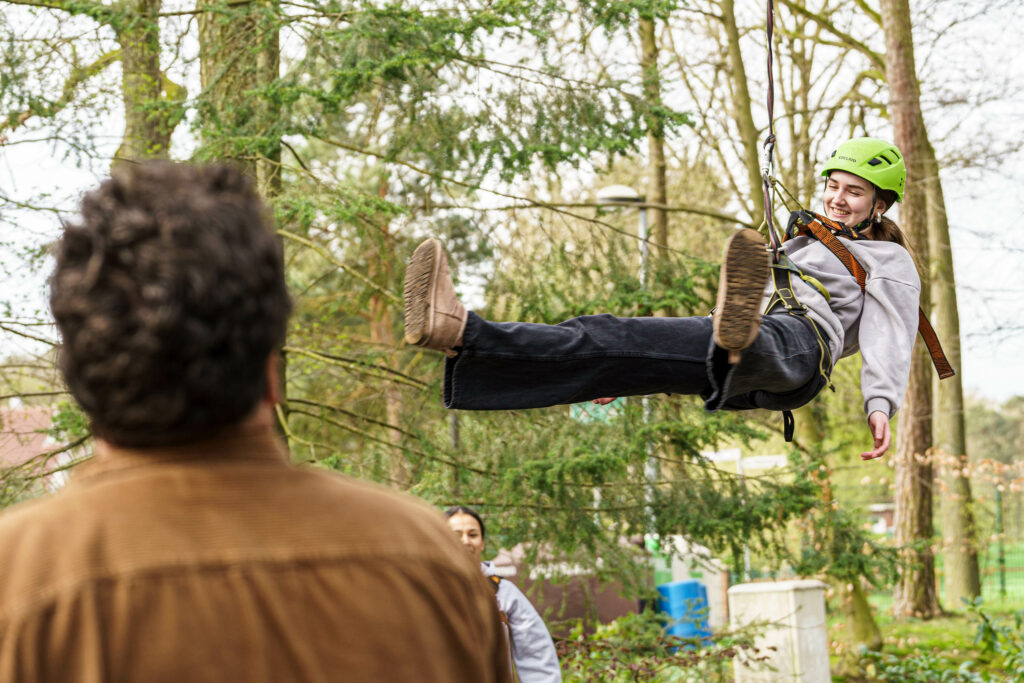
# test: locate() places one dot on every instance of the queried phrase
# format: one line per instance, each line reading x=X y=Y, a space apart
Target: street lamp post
x=623 y=195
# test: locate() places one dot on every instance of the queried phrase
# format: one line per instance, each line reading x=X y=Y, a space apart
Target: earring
x=878 y=219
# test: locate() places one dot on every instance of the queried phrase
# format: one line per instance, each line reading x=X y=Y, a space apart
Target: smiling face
x=850 y=199
x=468 y=530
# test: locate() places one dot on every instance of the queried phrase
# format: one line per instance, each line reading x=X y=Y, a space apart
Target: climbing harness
x=821 y=228
x=783 y=295
x=506 y=627
x=825 y=230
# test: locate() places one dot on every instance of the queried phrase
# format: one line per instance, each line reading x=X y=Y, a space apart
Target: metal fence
x=998 y=492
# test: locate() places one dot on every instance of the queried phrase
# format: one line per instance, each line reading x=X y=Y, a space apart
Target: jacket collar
x=237 y=443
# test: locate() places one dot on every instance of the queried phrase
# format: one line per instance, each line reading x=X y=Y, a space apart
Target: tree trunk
x=863 y=630
x=962 y=577
x=741 y=110
x=382 y=335
x=239 y=54
x=915 y=593
x=656 y=193
x=147 y=131
x=860 y=629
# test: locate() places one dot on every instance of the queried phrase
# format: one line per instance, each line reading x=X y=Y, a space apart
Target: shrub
x=920 y=668
x=1001 y=641
x=637 y=648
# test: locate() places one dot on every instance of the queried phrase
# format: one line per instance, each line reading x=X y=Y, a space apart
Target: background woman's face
x=850 y=199
x=468 y=530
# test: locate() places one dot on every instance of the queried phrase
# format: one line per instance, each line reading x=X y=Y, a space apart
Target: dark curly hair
x=169 y=295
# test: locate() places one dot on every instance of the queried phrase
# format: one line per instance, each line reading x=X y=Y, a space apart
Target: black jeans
x=508 y=366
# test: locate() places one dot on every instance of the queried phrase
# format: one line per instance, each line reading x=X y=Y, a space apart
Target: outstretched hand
x=878 y=423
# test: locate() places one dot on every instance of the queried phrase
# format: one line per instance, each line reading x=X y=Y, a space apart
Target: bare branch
x=26 y=335
x=34 y=394
x=845 y=38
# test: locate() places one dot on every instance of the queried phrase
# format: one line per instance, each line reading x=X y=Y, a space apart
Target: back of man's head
x=169 y=295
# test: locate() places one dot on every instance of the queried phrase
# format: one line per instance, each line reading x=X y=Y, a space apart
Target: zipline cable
x=769 y=143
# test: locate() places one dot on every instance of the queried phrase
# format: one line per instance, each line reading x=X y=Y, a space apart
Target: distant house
x=883 y=518
x=24 y=444
x=564 y=592
x=578 y=595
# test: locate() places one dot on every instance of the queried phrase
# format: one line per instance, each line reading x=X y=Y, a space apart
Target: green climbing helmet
x=876 y=161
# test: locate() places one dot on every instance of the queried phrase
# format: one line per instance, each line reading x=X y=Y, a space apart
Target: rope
x=769 y=144
x=777 y=184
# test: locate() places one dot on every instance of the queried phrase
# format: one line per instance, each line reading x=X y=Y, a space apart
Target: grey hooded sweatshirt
x=533 y=651
x=881 y=322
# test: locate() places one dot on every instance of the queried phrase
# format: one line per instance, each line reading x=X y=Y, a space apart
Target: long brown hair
x=886 y=230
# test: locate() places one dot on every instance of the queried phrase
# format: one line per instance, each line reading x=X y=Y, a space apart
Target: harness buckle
x=785 y=294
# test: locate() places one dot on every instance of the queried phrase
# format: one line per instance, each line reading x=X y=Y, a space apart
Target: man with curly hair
x=188 y=549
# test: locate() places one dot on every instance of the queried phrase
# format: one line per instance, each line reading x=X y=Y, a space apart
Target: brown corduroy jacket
x=221 y=562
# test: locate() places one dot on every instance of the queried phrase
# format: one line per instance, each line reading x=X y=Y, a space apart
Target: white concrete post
x=793 y=614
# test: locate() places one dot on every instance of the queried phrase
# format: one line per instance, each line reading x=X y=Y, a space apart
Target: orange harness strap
x=813 y=225
x=506 y=627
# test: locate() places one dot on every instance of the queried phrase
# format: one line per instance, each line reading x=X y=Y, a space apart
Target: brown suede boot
x=434 y=316
x=744 y=274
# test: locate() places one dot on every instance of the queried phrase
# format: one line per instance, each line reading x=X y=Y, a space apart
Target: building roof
x=23 y=434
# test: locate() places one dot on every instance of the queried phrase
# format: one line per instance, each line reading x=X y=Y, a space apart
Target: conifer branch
x=390 y=444
x=529 y=200
x=390 y=296
x=78 y=75
x=356 y=365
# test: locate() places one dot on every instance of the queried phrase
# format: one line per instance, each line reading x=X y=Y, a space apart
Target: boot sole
x=419 y=292
x=745 y=269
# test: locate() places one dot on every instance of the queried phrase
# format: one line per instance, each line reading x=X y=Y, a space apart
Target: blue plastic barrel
x=686 y=604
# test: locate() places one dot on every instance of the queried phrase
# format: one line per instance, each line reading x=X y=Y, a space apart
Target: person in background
x=533 y=651
x=188 y=548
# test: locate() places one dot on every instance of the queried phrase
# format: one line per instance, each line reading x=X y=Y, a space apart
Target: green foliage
x=69 y=423
x=845 y=552
x=920 y=668
x=995 y=432
x=942 y=649
x=1003 y=642
x=622 y=14
x=452 y=103
x=637 y=648
x=17 y=485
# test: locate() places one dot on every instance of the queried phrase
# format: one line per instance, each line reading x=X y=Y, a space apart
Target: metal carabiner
x=767 y=163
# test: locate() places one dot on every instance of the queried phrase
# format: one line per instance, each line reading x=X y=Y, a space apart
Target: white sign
x=754 y=462
x=728 y=455
x=764 y=462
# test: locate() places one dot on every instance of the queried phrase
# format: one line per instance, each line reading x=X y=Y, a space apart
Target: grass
x=950 y=637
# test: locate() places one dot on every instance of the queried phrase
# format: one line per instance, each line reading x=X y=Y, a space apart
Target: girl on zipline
x=757 y=350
